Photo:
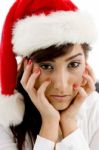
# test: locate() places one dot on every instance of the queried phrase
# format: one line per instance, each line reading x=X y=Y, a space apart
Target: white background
x=91 y=6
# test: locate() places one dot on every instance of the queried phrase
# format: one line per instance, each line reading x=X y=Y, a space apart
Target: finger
x=90 y=85
x=91 y=72
x=78 y=101
x=25 y=61
x=80 y=98
x=84 y=81
x=42 y=89
x=31 y=82
x=27 y=73
x=30 y=87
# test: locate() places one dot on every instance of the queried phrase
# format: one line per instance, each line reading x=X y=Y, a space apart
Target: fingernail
x=87 y=66
x=75 y=86
x=25 y=58
x=29 y=62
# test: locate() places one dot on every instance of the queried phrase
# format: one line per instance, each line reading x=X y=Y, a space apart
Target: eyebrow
x=72 y=57
x=68 y=59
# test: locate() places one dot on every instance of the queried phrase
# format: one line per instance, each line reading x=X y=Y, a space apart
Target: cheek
x=78 y=79
x=41 y=79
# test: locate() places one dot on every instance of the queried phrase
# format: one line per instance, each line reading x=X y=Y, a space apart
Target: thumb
x=80 y=97
x=42 y=89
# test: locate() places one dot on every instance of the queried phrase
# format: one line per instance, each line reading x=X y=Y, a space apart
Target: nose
x=61 y=80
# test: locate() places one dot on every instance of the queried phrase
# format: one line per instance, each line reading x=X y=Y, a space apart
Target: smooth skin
x=58 y=88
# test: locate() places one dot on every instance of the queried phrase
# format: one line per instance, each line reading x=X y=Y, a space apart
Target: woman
x=55 y=105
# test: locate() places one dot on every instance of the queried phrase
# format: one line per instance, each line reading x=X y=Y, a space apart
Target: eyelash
x=49 y=67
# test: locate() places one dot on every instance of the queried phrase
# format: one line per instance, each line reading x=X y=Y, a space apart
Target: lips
x=60 y=97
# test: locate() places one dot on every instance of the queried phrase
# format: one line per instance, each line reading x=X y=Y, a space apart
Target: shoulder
x=93 y=108
x=88 y=116
x=6 y=136
x=91 y=111
x=92 y=102
x=6 y=139
x=12 y=108
x=91 y=105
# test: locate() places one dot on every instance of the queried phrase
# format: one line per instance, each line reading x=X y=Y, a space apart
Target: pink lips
x=60 y=98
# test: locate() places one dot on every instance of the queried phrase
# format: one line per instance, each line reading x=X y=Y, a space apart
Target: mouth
x=60 y=97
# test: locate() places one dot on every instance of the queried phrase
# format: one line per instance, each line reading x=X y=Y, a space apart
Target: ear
x=83 y=79
x=83 y=82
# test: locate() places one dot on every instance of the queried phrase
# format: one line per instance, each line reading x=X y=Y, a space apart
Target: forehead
x=76 y=49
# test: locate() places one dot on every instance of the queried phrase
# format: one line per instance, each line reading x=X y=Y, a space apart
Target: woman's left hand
x=89 y=79
x=68 y=121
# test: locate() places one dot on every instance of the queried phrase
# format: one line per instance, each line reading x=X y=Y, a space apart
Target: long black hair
x=32 y=121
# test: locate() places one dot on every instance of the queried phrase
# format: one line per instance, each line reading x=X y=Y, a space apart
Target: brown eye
x=48 y=67
x=74 y=64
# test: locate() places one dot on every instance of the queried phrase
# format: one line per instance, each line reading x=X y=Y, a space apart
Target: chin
x=60 y=107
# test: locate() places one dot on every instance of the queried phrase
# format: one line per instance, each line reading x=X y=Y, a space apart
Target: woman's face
x=64 y=72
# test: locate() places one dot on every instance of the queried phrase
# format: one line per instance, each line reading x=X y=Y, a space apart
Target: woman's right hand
x=50 y=116
x=31 y=73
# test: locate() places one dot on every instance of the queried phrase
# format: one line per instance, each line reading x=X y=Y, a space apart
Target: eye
x=47 y=67
x=74 y=64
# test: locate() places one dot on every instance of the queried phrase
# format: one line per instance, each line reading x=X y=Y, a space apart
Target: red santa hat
x=31 y=25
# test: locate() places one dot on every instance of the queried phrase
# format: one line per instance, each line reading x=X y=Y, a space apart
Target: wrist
x=51 y=119
x=68 y=126
x=48 y=128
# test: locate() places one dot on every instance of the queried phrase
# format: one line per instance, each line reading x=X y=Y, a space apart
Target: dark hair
x=32 y=121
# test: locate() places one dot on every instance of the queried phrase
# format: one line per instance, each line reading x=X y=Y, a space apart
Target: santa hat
x=31 y=25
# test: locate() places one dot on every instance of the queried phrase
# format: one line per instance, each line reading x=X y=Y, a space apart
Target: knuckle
x=27 y=88
x=39 y=92
x=22 y=82
x=26 y=68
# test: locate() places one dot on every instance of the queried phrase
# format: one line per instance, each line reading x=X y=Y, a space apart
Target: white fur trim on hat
x=38 y=32
x=11 y=109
